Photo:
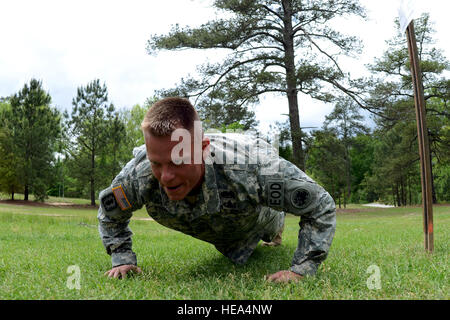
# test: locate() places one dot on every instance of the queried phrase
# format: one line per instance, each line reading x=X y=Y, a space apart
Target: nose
x=167 y=175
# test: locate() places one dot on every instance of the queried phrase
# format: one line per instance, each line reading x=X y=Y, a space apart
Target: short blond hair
x=168 y=114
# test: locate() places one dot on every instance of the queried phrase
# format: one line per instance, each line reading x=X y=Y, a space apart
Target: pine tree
x=35 y=128
x=89 y=127
x=346 y=122
x=9 y=164
x=276 y=46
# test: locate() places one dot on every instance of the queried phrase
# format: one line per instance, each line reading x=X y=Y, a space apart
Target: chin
x=176 y=196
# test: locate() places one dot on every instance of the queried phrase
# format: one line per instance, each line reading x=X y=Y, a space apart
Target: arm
x=301 y=196
x=125 y=195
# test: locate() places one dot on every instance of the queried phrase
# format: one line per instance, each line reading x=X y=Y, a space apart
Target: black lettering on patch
x=229 y=204
x=275 y=193
x=228 y=199
x=109 y=202
x=301 y=198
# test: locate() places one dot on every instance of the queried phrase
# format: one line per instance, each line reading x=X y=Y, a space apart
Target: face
x=177 y=179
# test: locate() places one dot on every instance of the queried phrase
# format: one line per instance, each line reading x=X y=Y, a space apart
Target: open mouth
x=173 y=188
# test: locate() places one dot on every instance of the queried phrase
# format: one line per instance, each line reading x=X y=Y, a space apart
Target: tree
x=283 y=131
x=391 y=91
x=133 y=119
x=9 y=164
x=326 y=162
x=35 y=128
x=395 y=172
x=276 y=47
x=89 y=127
x=346 y=121
x=362 y=155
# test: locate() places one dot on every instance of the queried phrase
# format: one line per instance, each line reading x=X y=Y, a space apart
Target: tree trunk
x=25 y=193
x=393 y=196
x=93 y=179
x=291 y=84
x=348 y=177
x=409 y=191
x=345 y=198
x=433 y=191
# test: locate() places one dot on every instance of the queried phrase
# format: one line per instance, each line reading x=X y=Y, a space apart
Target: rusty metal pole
x=422 y=137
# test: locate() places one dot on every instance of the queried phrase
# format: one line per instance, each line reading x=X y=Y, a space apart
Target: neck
x=198 y=186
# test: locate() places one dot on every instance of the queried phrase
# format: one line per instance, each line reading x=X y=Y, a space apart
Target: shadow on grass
x=263 y=261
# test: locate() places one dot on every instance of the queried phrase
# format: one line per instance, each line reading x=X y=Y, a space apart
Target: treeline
x=49 y=153
x=359 y=164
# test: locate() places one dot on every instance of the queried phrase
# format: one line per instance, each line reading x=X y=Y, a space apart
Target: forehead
x=159 y=149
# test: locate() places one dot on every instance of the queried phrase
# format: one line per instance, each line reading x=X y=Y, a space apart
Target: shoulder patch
x=121 y=198
x=275 y=193
x=301 y=198
x=109 y=202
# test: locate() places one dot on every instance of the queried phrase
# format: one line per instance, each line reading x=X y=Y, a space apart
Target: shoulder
x=138 y=166
x=239 y=151
x=142 y=164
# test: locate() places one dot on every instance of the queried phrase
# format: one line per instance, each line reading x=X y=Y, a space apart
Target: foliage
x=263 y=39
x=34 y=128
x=326 y=162
x=94 y=133
x=9 y=164
x=346 y=122
x=391 y=94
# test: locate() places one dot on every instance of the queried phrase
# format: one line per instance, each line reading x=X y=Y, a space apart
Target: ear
x=205 y=147
x=205 y=143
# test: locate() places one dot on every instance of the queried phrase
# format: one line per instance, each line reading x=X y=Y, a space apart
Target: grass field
x=39 y=244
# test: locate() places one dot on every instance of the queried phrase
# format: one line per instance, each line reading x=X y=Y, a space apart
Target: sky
x=67 y=44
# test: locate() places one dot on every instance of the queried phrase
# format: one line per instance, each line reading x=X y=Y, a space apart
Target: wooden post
x=422 y=137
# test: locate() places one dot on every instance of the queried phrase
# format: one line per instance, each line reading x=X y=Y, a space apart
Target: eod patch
x=275 y=191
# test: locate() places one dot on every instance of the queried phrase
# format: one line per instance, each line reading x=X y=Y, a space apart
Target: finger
x=272 y=277
x=277 y=278
x=108 y=273
x=123 y=273
x=116 y=273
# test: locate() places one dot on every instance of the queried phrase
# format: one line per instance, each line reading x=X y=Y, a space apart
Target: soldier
x=230 y=190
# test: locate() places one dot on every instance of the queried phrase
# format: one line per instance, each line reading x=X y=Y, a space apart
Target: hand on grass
x=121 y=271
x=284 y=276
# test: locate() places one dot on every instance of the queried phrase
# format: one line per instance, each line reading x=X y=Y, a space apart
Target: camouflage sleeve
x=289 y=189
x=125 y=195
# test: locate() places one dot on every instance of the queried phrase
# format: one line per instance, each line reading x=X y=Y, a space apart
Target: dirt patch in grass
x=48 y=204
x=354 y=210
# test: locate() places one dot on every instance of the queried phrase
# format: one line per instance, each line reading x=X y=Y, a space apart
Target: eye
x=176 y=163
x=155 y=164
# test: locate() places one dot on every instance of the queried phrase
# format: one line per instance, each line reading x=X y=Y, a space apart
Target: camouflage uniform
x=239 y=204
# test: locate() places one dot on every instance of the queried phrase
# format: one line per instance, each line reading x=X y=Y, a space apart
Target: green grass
x=37 y=249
